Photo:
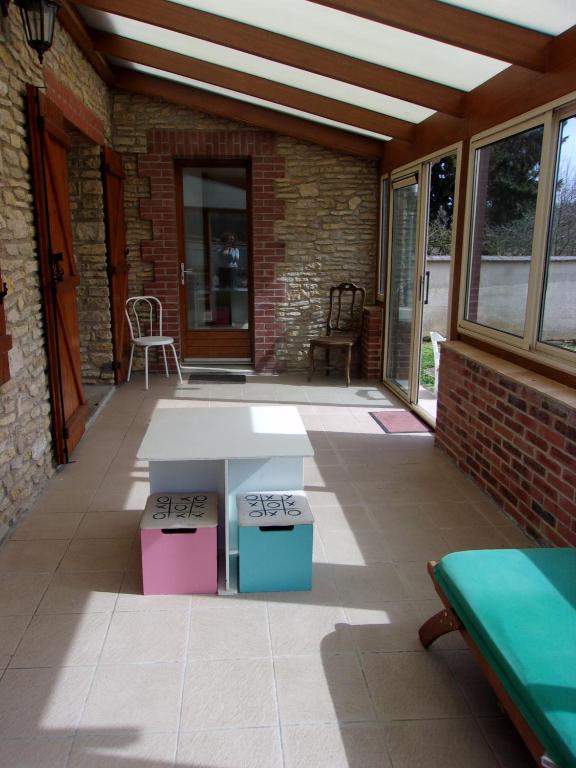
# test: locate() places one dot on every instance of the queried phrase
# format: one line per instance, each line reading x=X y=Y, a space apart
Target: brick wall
x=372 y=343
x=516 y=441
x=158 y=163
x=326 y=225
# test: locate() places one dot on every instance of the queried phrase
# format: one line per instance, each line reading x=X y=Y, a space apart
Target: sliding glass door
x=419 y=279
x=403 y=252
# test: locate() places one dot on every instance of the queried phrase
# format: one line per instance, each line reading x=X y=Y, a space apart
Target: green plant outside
x=427 y=366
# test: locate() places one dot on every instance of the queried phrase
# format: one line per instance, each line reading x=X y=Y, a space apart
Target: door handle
x=427 y=291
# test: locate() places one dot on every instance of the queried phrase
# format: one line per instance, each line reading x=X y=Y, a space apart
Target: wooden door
x=215 y=245
x=117 y=254
x=59 y=277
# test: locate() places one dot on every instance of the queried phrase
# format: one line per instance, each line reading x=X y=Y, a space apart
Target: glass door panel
x=404 y=232
x=215 y=265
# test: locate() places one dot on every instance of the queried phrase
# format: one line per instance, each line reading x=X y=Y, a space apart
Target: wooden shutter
x=117 y=253
x=49 y=144
x=5 y=339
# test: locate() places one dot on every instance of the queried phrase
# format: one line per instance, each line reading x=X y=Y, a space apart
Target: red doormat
x=394 y=422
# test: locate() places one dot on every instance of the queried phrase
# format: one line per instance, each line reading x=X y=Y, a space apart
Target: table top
x=248 y=432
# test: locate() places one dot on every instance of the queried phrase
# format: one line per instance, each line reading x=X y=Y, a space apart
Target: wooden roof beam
x=286 y=50
x=455 y=26
x=239 y=111
x=223 y=77
x=508 y=95
x=73 y=24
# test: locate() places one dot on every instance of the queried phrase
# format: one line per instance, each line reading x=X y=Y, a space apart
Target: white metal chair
x=142 y=312
x=435 y=338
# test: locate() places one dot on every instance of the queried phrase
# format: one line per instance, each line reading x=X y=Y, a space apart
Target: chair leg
x=130 y=366
x=347 y=364
x=310 y=362
x=165 y=360
x=146 y=365
x=177 y=363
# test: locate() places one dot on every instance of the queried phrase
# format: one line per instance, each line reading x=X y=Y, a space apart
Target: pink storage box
x=179 y=551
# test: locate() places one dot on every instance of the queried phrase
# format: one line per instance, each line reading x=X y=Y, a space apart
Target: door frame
x=195 y=162
x=420 y=169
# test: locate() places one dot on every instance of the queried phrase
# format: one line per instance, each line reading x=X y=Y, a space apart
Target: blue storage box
x=275 y=534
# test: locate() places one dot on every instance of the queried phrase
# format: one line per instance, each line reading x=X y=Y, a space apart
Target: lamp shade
x=38 y=17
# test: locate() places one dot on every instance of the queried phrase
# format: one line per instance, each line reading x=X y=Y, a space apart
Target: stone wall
x=93 y=294
x=328 y=222
x=25 y=440
x=515 y=435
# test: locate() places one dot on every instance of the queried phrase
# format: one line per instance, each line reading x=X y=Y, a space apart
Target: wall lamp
x=38 y=19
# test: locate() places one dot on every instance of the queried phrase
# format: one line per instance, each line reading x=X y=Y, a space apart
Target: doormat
x=227 y=378
x=395 y=422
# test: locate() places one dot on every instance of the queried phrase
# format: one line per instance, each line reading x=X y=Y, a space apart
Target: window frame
x=383 y=225
x=527 y=345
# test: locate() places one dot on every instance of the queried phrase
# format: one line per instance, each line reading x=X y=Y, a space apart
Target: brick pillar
x=371 y=343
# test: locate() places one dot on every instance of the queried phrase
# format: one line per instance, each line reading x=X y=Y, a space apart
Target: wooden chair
x=343 y=327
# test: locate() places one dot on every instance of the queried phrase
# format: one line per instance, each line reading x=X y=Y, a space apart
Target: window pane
x=383 y=237
x=558 y=324
x=506 y=189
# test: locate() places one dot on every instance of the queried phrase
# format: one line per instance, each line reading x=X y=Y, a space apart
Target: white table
x=227 y=450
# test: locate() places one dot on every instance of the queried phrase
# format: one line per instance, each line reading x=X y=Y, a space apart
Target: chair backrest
x=436 y=338
x=144 y=314
x=346 y=308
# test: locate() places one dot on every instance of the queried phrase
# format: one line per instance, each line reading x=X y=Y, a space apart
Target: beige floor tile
x=228 y=694
x=346 y=745
x=343 y=518
x=144 y=638
x=473 y=684
x=123 y=750
x=246 y=747
x=492 y=513
x=358 y=547
x=62 y=640
x=131 y=496
x=53 y=501
x=96 y=555
x=11 y=630
x=415 y=685
x=41 y=702
x=34 y=753
x=438 y=744
x=20 y=593
x=486 y=537
x=415 y=545
x=134 y=698
x=306 y=629
x=390 y=516
x=31 y=556
x=369 y=586
x=515 y=537
x=332 y=495
x=505 y=742
x=109 y=525
x=82 y=592
x=394 y=627
x=321 y=689
x=452 y=514
x=323 y=590
x=131 y=598
x=416 y=580
x=50 y=525
x=229 y=629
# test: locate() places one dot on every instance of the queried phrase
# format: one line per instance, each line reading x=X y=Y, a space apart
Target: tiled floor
x=94 y=675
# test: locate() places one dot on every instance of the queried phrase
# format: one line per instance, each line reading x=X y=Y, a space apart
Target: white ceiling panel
x=242 y=97
x=549 y=16
x=359 y=38
x=255 y=65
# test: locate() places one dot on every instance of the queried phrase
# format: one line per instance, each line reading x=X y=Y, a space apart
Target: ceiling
x=354 y=66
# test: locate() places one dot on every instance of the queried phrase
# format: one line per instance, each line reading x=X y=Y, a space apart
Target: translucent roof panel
x=549 y=16
x=255 y=65
x=242 y=97
x=360 y=38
